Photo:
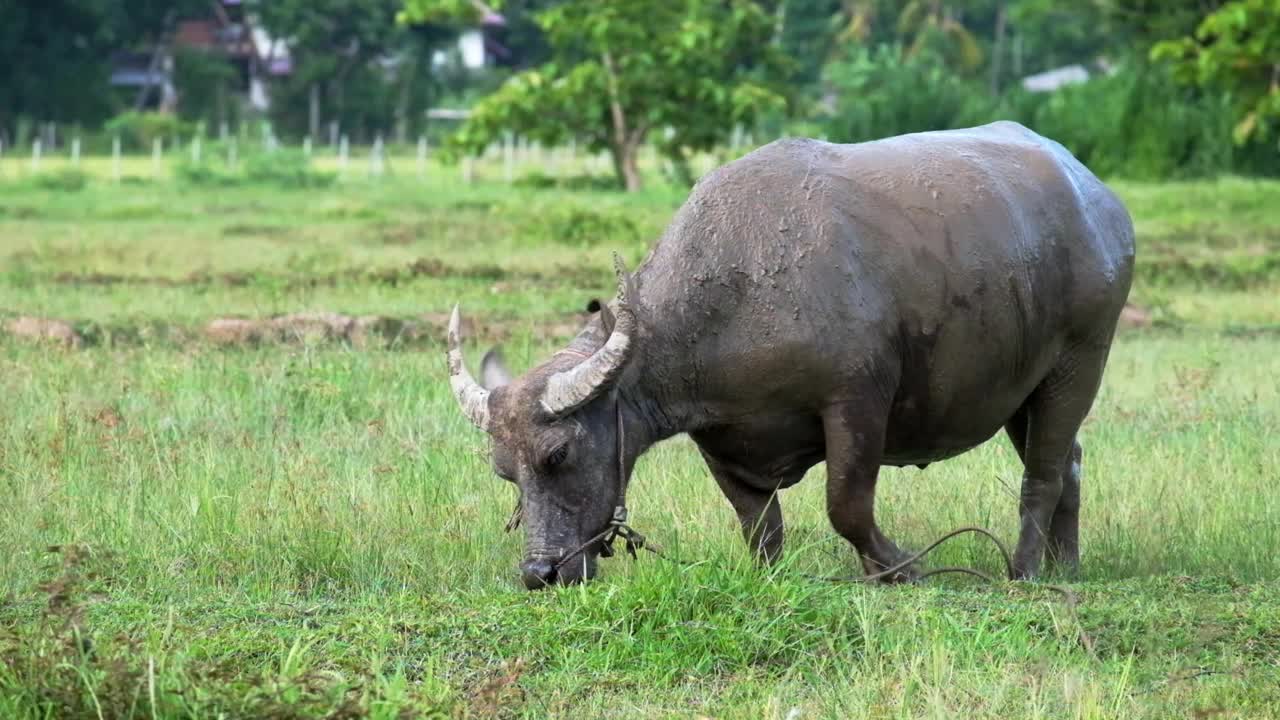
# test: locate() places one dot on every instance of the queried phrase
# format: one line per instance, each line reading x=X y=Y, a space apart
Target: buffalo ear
x=607 y=320
x=493 y=371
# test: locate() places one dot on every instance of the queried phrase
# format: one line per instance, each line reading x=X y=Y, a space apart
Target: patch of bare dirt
x=44 y=330
x=1133 y=316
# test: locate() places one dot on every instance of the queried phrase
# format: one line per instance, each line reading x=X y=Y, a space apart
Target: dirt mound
x=45 y=330
x=310 y=327
x=314 y=327
x=374 y=330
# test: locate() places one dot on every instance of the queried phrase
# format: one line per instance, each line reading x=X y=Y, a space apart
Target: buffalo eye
x=558 y=455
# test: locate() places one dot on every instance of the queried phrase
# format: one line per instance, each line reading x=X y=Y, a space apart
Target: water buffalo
x=894 y=302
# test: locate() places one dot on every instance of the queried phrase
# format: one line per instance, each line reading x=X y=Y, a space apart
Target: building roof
x=1051 y=80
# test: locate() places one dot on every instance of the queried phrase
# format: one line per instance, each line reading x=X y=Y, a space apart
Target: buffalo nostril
x=537 y=573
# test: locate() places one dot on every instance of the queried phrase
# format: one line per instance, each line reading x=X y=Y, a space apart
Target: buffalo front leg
x=855 y=443
x=758 y=511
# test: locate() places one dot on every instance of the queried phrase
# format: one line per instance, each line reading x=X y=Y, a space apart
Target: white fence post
x=375 y=157
x=36 y=146
x=195 y=150
x=508 y=158
x=157 y=149
x=344 y=150
x=306 y=147
x=115 y=159
x=231 y=153
x=422 y=156
x=468 y=169
x=75 y=152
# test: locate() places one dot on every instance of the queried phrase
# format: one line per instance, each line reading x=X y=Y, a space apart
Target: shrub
x=583 y=227
x=287 y=169
x=1137 y=123
x=204 y=174
x=137 y=130
x=879 y=94
x=67 y=180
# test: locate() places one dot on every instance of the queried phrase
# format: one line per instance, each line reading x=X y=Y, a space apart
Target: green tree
x=934 y=27
x=808 y=33
x=55 y=54
x=352 y=63
x=621 y=69
x=1143 y=23
x=1235 y=49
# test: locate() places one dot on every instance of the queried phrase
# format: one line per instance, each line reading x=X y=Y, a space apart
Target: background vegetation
x=1178 y=88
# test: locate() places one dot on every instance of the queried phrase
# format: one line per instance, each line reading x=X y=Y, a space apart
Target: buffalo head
x=554 y=433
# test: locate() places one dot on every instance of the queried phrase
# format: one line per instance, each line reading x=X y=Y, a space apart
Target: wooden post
x=115 y=159
x=422 y=156
x=75 y=152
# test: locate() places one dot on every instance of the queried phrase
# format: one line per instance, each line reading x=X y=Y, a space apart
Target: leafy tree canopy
x=1236 y=49
x=55 y=54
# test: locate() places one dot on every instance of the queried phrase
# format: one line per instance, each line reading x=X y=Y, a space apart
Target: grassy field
x=306 y=527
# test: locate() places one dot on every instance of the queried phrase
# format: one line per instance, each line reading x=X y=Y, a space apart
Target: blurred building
x=227 y=31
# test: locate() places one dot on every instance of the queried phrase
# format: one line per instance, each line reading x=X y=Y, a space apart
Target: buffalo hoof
x=906 y=574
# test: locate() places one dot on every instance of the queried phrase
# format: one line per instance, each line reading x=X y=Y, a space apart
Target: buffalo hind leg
x=758 y=511
x=1063 y=549
x=855 y=443
x=1050 y=496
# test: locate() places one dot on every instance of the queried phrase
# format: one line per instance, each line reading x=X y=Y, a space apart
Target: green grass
x=312 y=530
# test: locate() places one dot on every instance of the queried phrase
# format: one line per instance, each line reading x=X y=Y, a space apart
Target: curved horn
x=570 y=389
x=473 y=398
